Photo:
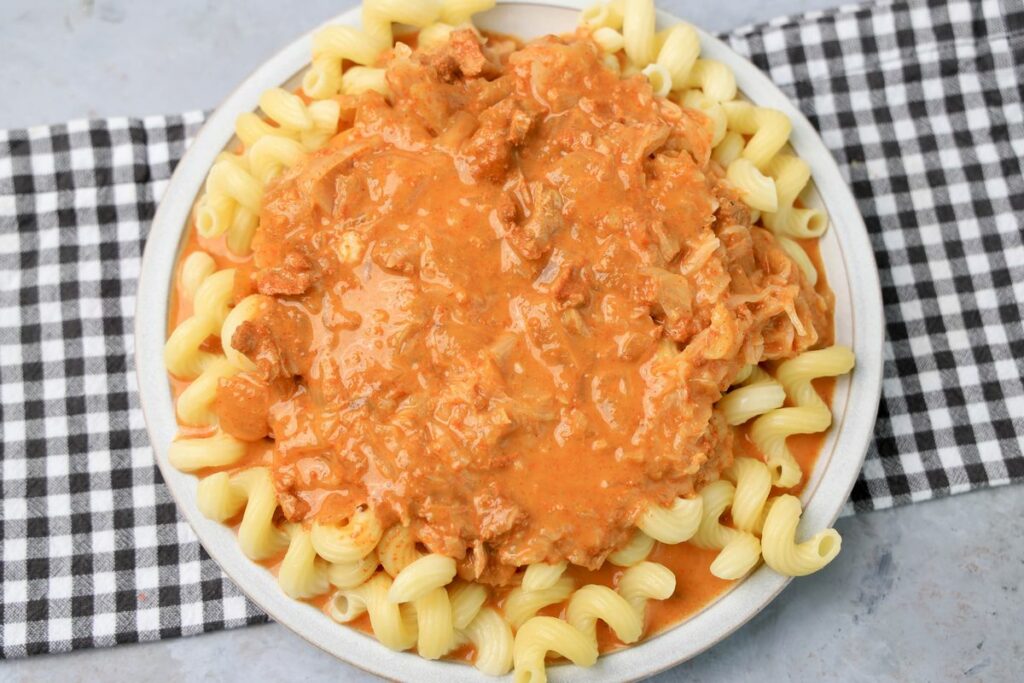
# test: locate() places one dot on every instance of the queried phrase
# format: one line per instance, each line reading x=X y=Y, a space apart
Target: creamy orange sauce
x=551 y=286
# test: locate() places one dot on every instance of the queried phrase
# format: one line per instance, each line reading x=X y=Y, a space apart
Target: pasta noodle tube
x=422 y=576
x=800 y=257
x=737 y=558
x=286 y=109
x=729 y=149
x=377 y=26
x=636 y=550
x=768 y=129
x=646 y=581
x=695 y=99
x=603 y=15
x=809 y=415
x=753 y=486
x=739 y=551
x=801 y=222
x=436 y=634
x=231 y=179
x=218 y=498
x=197 y=267
x=301 y=574
x=323 y=79
x=608 y=39
x=346 y=606
x=270 y=154
x=717 y=496
x=679 y=50
x=492 y=637
x=541 y=635
x=397 y=549
x=219 y=450
x=349 y=543
x=521 y=605
x=182 y=355
x=468 y=599
x=242 y=229
x=779 y=547
x=593 y=602
x=659 y=78
x=672 y=525
x=756 y=189
x=792 y=176
x=213 y=297
x=257 y=535
x=346 y=42
x=540 y=576
x=796 y=374
x=638 y=21
x=214 y=214
x=249 y=128
x=755 y=398
x=715 y=79
x=394 y=627
x=352 y=574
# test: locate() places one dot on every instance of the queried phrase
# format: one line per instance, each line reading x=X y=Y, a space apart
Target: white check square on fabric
x=919 y=102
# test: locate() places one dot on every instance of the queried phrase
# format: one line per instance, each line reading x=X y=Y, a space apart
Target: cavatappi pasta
x=405 y=582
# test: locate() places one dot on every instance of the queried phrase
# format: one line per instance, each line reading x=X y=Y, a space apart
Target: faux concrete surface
x=931 y=592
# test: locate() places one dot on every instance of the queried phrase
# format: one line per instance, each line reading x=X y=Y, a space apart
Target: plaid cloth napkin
x=921 y=104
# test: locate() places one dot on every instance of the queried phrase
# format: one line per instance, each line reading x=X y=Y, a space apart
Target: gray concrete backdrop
x=930 y=592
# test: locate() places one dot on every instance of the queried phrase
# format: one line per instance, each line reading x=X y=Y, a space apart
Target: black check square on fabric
x=920 y=102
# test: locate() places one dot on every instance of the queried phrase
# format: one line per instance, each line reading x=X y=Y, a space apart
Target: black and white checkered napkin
x=919 y=102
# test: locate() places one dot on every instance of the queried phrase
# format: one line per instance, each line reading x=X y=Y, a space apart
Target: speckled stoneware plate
x=849 y=263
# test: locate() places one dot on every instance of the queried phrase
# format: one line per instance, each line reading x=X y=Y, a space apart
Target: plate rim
x=713 y=623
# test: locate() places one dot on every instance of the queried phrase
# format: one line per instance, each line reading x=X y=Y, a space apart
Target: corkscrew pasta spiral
x=182 y=354
x=422 y=576
x=394 y=626
x=302 y=574
x=541 y=635
x=595 y=602
x=781 y=551
x=809 y=414
x=635 y=551
x=672 y=525
x=221 y=497
x=350 y=542
x=740 y=551
x=521 y=604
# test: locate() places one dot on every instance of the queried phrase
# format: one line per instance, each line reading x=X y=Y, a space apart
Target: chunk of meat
x=255 y=340
x=502 y=129
x=465 y=48
x=277 y=342
x=532 y=238
x=294 y=276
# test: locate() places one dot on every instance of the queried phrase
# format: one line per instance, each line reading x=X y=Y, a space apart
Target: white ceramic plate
x=851 y=270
